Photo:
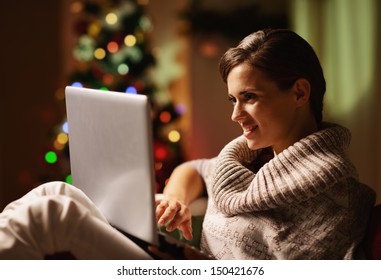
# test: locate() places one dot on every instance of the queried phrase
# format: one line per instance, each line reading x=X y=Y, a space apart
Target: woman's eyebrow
x=250 y=90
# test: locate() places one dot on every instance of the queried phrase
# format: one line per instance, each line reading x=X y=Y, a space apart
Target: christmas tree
x=113 y=52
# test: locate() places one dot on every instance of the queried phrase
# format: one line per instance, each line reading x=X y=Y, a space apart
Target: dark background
x=30 y=71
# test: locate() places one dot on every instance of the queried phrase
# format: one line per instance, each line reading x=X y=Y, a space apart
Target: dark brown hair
x=284 y=57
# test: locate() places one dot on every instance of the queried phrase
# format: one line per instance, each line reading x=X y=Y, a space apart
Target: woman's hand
x=173 y=214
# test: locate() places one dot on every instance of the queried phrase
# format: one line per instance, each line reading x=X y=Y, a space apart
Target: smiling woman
x=268 y=115
x=285 y=189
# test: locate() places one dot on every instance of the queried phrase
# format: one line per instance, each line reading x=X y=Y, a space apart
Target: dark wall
x=30 y=71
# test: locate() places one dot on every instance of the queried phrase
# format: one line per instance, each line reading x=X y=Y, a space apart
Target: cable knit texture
x=305 y=203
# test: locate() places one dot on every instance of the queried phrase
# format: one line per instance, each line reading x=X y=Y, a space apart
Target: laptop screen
x=110 y=143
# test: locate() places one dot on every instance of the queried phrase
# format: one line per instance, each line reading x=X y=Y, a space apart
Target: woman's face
x=267 y=115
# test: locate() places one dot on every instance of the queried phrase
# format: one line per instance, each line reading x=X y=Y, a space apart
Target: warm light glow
x=94 y=29
x=161 y=153
x=99 y=53
x=123 y=69
x=76 y=7
x=62 y=138
x=58 y=146
x=112 y=47
x=130 y=40
x=143 y=2
x=158 y=165
x=174 y=136
x=111 y=18
x=60 y=94
x=165 y=117
x=108 y=79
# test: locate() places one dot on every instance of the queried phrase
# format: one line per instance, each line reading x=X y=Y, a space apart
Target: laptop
x=111 y=157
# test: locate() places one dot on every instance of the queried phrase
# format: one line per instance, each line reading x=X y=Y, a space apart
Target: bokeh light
x=111 y=18
x=174 y=136
x=69 y=179
x=158 y=165
x=165 y=117
x=99 y=53
x=108 y=79
x=161 y=153
x=77 y=84
x=94 y=29
x=180 y=109
x=76 y=7
x=58 y=146
x=131 y=90
x=51 y=157
x=112 y=47
x=130 y=40
x=65 y=127
x=145 y=24
x=62 y=138
x=123 y=69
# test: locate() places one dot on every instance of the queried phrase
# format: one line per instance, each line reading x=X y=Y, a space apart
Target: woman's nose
x=237 y=113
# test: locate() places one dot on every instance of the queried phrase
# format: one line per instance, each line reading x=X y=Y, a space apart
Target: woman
x=285 y=189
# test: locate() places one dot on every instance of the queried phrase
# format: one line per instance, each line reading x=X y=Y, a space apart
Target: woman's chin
x=253 y=145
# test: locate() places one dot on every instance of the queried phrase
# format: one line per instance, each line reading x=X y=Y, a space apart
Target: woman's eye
x=232 y=99
x=249 y=96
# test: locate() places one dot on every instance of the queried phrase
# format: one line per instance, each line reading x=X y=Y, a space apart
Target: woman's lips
x=249 y=130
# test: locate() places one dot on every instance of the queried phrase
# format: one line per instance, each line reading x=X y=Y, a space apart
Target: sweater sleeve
x=206 y=169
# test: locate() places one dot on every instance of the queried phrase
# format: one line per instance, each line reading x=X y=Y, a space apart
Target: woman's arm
x=184 y=186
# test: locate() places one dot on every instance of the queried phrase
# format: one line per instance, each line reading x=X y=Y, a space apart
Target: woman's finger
x=169 y=213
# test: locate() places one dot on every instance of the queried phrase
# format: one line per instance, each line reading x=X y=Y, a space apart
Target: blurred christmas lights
x=94 y=29
x=76 y=7
x=65 y=127
x=130 y=40
x=111 y=18
x=174 y=136
x=131 y=90
x=99 y=53
x=123 y=69
x=161 y=153
x=165 y=117
x=180 y=109
x=112 y=47
x=51 y=157
x=62 y=138
x=77 y=84
x=69 y=179
x=111 y=53
x=107 y=79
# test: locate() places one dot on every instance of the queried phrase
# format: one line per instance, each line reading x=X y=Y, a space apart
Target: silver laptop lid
x=110 y=142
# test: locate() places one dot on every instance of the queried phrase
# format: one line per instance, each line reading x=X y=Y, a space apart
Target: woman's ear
x=302 y=91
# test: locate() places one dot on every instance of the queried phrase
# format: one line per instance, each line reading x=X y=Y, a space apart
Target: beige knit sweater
x=305 y=203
